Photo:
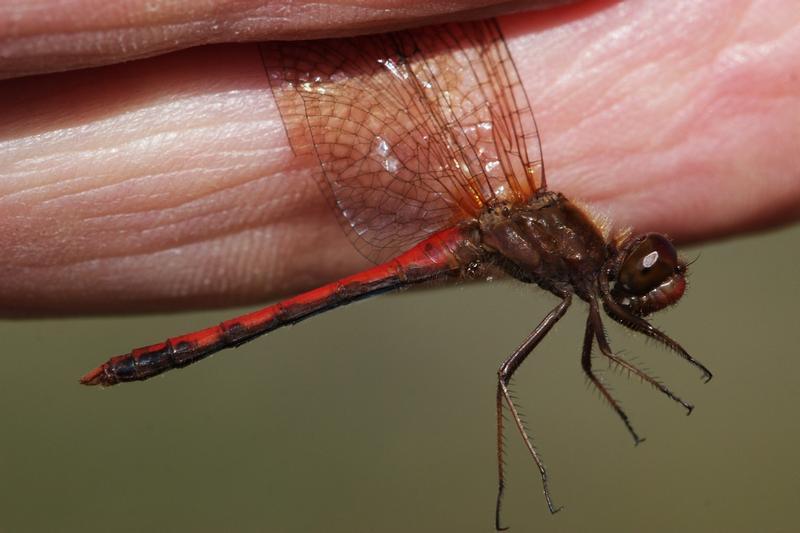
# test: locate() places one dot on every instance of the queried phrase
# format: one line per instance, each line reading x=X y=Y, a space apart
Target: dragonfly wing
x=412 y=131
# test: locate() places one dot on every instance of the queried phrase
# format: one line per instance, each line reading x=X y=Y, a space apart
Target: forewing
x=413 y=131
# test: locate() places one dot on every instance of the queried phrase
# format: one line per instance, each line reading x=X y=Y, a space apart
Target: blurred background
x=380 y=417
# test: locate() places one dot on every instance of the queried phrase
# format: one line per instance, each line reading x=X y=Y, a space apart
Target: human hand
x=168 y=182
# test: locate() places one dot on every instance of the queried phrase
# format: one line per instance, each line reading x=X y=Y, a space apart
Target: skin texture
x=168 y=183
x=51 y=35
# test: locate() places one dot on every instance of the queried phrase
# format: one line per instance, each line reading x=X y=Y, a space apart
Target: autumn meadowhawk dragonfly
x=426 y=148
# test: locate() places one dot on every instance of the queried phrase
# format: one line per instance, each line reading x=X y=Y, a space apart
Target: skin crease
x=53 y=35
x=168 y=183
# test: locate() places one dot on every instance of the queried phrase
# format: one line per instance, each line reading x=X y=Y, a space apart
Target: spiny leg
x=639 y=324
x=605 y=349
x=504 y=374
x=586 y=363
x=501 y=485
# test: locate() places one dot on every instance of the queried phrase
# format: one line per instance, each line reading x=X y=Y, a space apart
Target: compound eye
x=648 y=264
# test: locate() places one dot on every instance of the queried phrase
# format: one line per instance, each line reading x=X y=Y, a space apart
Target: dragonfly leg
x=593 y=325
x=640 y=325
x=504 y=375
x=605 y=349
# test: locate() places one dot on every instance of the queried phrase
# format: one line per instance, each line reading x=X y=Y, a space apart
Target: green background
x=380 y=417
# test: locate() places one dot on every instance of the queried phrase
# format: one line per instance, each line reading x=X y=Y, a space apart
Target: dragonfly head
x=647 y=274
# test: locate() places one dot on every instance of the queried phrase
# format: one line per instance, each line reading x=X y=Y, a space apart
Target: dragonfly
x=425 y=145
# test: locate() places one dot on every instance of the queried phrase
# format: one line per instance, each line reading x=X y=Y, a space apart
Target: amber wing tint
x=413 y=131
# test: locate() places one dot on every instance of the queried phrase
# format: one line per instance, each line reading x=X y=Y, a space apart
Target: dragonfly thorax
x=548 y=241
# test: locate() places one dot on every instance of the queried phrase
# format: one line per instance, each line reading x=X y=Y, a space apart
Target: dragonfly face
x=648 y=275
